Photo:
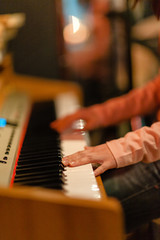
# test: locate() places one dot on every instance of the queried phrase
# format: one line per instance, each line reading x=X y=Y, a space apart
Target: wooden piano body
x=35 y=213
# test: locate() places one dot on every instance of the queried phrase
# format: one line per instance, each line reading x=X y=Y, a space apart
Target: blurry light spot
x=75 y=32
x=76 y=24
x=3 y=122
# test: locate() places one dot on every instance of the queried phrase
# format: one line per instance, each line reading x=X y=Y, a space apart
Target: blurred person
x=86 y=62
x=90 y=63
x=136 y=182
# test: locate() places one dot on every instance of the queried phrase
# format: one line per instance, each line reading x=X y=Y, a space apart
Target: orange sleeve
x=139 y=101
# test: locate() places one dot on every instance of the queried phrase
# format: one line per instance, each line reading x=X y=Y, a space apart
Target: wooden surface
x=38 y=214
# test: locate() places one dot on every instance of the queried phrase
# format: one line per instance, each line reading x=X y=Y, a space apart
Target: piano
x=40 y=199
x=79 y=209
x=31 y=152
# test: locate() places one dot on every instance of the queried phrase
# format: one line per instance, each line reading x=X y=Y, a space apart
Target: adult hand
x=89 y=115
x=100 y=154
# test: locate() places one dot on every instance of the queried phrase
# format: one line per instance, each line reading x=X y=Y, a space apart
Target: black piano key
x=38 y=167
x=38 y=175
x=34 y=148
x=41 y=154
x=57 y=183
x=41 y=148
x=41 y=172
x=37 y=160
x=37 y=178
x=37 y=164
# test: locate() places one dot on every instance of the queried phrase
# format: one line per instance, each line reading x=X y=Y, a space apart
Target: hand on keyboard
x=99 y=154
x=88 y=115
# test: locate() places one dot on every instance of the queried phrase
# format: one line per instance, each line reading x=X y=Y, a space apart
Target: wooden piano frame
x=37 y=214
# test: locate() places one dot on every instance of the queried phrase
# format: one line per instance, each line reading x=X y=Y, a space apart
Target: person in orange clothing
x=136 y=146
x=137 y=186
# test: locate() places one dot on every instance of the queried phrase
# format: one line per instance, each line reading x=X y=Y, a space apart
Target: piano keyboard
x=31 y=152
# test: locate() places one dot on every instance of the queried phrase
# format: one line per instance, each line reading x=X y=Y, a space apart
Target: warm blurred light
x=75 y=32
x=76 y=24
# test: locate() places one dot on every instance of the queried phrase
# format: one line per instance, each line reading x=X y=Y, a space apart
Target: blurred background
x=106 y=46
